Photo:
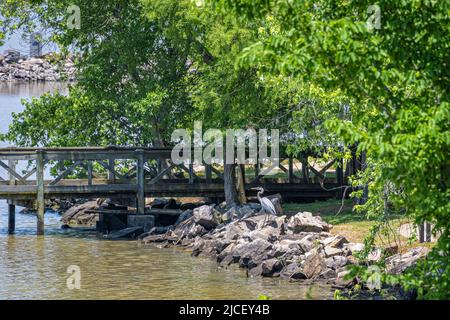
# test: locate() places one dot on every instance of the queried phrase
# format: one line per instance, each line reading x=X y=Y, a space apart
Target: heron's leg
x=265 y=220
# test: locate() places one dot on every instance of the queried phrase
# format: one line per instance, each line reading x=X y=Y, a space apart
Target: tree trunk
x=241 y=183
x=229 y=185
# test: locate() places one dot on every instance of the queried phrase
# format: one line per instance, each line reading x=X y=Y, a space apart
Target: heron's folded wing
x=268 y=205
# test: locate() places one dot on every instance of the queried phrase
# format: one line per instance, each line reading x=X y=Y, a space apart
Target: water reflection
x=31 y=89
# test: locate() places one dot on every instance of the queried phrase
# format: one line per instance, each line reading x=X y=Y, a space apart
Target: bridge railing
x=39 y=173
x=123 y=168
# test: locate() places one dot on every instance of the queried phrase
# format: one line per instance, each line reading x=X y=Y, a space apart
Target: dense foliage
x=322 y=71
x=397 y=79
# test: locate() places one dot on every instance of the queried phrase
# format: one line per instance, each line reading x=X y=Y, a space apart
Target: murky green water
x=34 y=267
x=37 y=269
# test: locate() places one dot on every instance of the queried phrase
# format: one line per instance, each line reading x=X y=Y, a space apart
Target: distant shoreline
x=16 y=68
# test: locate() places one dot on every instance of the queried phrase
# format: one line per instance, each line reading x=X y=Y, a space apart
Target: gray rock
x=237 y=228
x=336 y=262
x=204 y=247
x=306 y=222
x=251 y=253
x=226 y=257
x=354 y=247
x=146 y=239
x=335 y=241
x=204 y=216
x=184 y=216
x=309 y=242
x=127 y=233
x=328 y=274
x=313 y=265
x=77 y=215
x=271 y=267
x=375 y=255
x=293 y=271
x=188 y=229
x=400 y=262
x=286 y=245
x=331 y=252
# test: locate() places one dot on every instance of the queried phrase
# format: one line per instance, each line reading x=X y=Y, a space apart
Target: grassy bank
x=354 y=226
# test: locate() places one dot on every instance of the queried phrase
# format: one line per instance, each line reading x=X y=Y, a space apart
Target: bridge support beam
x=11 y=218
x=40 y=191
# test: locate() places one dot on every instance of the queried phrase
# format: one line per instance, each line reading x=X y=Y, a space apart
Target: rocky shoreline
x=298 y=247
x=15 y=68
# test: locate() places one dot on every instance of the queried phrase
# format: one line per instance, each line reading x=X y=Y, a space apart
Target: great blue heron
x=266 y=205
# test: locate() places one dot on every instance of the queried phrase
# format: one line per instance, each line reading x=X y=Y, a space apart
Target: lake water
x=33 y=267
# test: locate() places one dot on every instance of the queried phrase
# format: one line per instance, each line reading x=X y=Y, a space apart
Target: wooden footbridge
x=129 y=172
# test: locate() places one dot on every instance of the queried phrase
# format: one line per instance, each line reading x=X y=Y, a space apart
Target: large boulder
x=188 y=229
x=269 y=228
x=237 y=228
x=271 y=267
x=226 y=257
x=79 y=215
x=336 y=262
x=183 y=216
x=306 y=222
x=313 y=265
x=250 y=254
x=12 y=56
x=337 y=241
x=293 y=271
x=205 y=216
x=354 y=247
x=400 y=262
x=332 y=252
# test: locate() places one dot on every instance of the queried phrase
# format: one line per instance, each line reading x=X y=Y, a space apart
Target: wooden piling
x=208 y=173
x=140 y=208
x=191 y=173
x=40 y=191
x=11 y=207
x=11 y=218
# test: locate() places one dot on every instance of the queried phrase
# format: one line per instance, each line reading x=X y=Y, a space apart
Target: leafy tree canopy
x=396 y=78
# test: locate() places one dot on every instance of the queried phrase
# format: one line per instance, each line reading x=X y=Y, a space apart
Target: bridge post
x=11 y=206
x=140 y=182
x=11 y=218
x=191 y=172
x=208 y=173
x=40 y=191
